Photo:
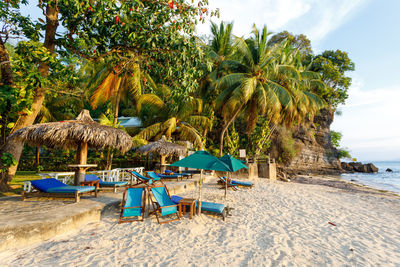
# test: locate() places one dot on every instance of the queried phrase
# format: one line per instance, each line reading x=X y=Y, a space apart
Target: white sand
x=273 y=224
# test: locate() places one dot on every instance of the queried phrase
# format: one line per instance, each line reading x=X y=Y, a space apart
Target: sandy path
x=273 y=224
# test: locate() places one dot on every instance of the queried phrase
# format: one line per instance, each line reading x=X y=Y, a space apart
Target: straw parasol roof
x=68 y=134
x=163 y=148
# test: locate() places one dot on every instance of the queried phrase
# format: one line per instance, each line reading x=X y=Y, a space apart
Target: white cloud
x=315 y=18
x=370 y=122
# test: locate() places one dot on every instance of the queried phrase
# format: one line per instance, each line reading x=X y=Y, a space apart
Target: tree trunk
x=13 y=146
x=221 y=137
x=37 y=159
x=5 y=66
x=110 y=153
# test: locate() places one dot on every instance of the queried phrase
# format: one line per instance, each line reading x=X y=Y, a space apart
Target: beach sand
x=273 y=224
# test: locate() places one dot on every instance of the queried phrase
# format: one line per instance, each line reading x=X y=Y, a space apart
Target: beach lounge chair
x=240 y=183
x=102 y=184
x=143 y=179
x=224 y=180
x=163 y=204
x=133 y=204
x=155 y=175
x=209 y=207
x=184 y=174
x=54 y=188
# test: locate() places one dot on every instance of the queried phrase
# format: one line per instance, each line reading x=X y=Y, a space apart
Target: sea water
x=381 y=180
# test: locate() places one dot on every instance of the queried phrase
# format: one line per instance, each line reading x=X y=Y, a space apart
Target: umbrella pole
x=201 y=181
x=226 y=186
x=81 y=159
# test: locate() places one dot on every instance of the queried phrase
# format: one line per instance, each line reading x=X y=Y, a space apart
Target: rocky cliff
x=312 y=153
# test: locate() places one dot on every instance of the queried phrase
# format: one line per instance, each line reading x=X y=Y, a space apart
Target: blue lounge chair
x=143 y=179
x=224 y=180
x=133 y=204
x=102 y=184
x=54 y=188
x=184 y=174
x=210 y=207
x=240 y=183
x=155 y=175
x=163 y=204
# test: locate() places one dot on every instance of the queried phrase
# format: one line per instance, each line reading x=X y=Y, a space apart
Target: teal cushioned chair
x=133 y=204
x=163 y=204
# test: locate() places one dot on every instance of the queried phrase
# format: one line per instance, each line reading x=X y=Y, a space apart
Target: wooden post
x=162 y=162
x=37 y=157
x=201 y=178
x=81 y=159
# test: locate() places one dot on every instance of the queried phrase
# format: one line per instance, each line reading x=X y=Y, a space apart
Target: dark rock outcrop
x=389 y=170
x=314 y=151
x=359 y=167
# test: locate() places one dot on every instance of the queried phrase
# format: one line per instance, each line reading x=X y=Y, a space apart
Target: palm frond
x=149 y=100
x=107 y=89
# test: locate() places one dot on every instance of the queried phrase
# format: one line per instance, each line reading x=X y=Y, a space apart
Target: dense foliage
x=143 y=59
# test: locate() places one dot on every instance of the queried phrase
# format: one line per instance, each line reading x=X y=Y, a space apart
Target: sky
x=369 y=31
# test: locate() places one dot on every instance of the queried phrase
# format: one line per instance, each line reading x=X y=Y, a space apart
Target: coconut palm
x=167 y=114
x=112 y=84
x=259 y=84
x=218 y=50
x=250 y=87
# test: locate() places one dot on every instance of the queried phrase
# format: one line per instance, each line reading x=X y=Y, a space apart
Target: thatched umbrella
x=81 y=133
x=163 y=148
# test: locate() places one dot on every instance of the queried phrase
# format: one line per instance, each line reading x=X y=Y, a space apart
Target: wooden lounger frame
x=230 y=185
x=157 y=208
x=161 y=178
x=123 y=201
x=37 y=193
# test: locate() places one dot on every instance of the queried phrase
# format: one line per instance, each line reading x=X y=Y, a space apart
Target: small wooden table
x=187 y=201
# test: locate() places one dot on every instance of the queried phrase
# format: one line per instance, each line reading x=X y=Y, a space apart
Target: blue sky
x=368 y=31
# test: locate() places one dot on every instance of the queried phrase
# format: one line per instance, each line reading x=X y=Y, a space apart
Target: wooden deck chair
x=133 y=204
x=223 y=180
x=154 y=175
x=163 y=204
x=140 y=179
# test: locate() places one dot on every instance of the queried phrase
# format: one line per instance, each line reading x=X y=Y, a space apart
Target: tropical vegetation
x=143 y=59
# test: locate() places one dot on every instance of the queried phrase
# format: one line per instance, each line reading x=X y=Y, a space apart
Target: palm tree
x=249 y=87
x=168 y=114
x=260 y=84
x=218 y=50
x=115 y=82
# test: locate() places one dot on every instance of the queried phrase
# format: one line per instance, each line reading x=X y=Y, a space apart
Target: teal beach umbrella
x=202 y=160
x=233 y=164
